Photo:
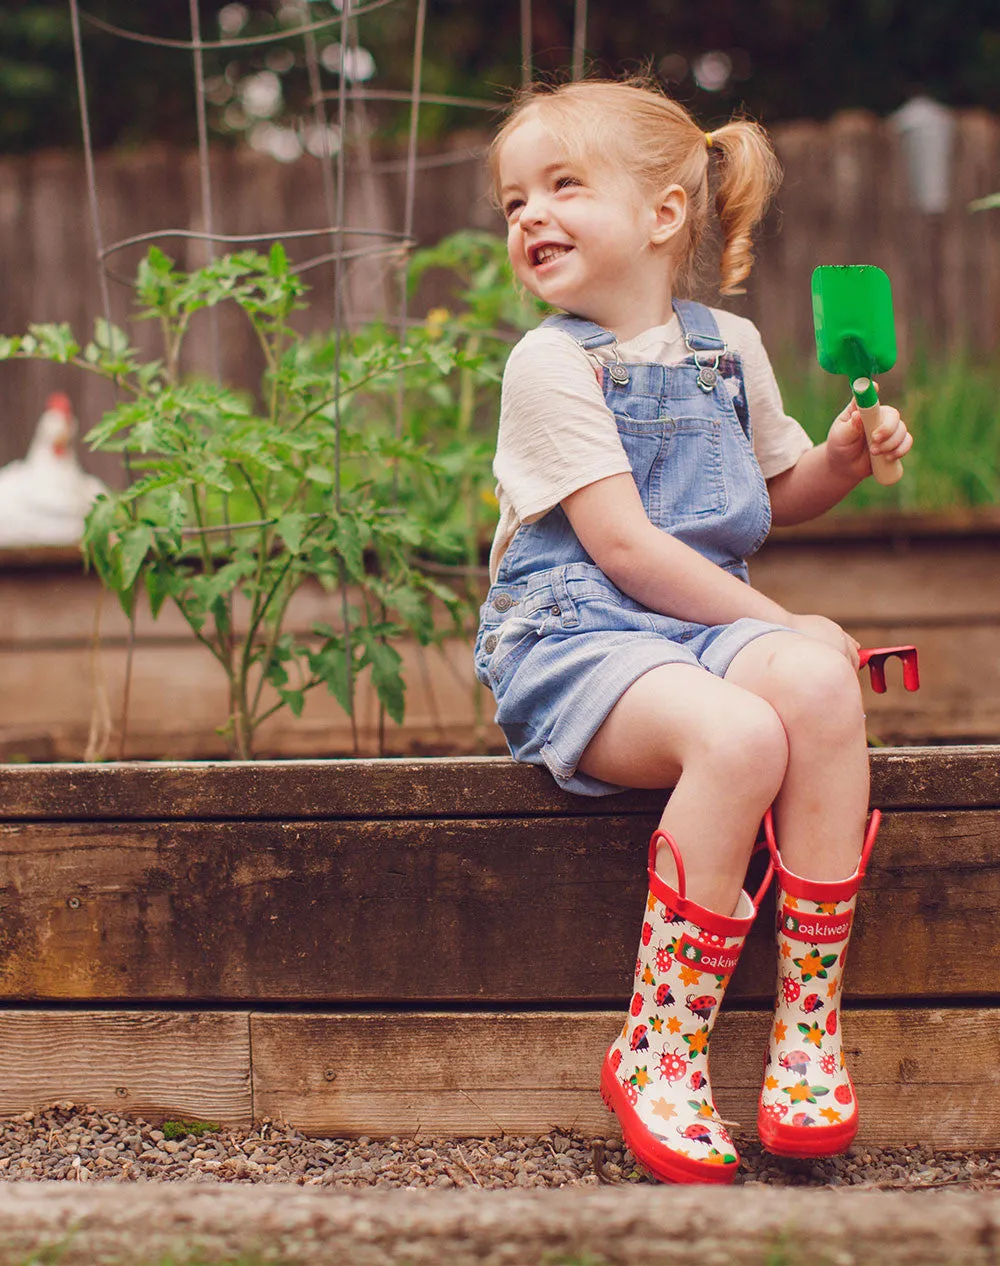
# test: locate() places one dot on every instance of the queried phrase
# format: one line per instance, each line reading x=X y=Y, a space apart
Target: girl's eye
x=512 y=207
x=566 y=182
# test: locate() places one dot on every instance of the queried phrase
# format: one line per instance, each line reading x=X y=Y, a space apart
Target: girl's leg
x=821 y=809
x=724 y=751
x=807 y=1102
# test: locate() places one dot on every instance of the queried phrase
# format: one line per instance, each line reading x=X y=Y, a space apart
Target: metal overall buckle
x=617 y=372
x=708 y=369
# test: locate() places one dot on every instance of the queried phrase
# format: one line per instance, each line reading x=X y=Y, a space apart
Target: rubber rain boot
x=655 y=1075
x=807 y=1103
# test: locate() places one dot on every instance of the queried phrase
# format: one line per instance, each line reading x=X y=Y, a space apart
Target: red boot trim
x=806 y=1141
x=664 y=1164
x=707 y=920
x=817 y=889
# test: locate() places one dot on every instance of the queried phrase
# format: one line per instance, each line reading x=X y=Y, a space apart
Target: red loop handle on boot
x=831 y=889
x=766 y=881
x=869 y=844
x=679 y=864
x=672 y=845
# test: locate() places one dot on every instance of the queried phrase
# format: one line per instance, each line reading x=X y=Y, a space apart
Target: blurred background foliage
x=778 y=59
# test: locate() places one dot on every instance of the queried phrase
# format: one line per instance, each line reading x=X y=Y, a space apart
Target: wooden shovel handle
x=885 y=469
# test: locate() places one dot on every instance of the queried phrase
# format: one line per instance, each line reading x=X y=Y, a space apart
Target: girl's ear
x=670 y=213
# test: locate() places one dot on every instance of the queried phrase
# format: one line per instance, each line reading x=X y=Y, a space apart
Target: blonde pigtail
x=749 y=176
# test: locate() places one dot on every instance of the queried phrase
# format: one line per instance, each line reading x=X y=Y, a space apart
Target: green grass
x=951 y=405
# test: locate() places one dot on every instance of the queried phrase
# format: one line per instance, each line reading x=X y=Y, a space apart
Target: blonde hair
x=632 y=126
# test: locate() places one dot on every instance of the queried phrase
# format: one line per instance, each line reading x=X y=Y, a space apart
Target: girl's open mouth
x=545 y=252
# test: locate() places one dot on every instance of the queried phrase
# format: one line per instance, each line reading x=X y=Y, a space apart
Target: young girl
x=643 y=452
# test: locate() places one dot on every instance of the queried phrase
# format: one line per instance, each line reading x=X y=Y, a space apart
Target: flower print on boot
x=807 y=1103
x=655 y=1076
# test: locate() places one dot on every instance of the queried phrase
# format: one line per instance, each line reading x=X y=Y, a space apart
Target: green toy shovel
x=856 y=335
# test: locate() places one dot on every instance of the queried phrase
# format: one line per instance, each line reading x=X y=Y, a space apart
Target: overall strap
x=702 y=339
x=587 y=333
x=698 y=326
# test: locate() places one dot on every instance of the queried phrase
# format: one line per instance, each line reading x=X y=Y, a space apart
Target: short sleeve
x=556 y=433
x=779 y=440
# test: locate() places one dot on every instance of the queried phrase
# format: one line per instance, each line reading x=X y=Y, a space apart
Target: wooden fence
x=845 y=198
x=445 y=947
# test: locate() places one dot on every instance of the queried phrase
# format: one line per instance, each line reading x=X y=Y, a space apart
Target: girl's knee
x=818 y=688
x=746 y=746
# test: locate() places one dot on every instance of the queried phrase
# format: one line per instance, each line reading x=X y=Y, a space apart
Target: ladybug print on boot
x=702 y=1006
x=638 y=1040
x=672 y=1010
x=806 y=1064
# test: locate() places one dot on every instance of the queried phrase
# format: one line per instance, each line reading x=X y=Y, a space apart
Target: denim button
x=555 y=611
x=503 y=602
x=490 y=644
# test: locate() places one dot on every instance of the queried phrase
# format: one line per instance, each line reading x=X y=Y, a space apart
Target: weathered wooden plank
x=455 y=911
x=447 y=787
x=911 y=569
x=528 y=1073
x=145 y=1063
x=51 y=694
x=920 y=584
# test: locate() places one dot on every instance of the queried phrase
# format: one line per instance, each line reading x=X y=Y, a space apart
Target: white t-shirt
x=557 y=434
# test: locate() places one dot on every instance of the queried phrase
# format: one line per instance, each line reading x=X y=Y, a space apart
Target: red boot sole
x=664 y=1164
x=807 y=1142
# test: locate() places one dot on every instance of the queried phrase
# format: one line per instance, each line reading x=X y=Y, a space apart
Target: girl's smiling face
x=584 y=237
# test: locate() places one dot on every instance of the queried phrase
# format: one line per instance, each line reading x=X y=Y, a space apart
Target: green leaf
x=387 y=679
x=295 y=699
x=291 y=528
x=330 y=664
x=52 y=342
x=134 y=545
x=110 y=338
x=159 y=580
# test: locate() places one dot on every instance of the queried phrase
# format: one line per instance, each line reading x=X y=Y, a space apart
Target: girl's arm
x=824 y=475
x=653 y=567
x=668 y=576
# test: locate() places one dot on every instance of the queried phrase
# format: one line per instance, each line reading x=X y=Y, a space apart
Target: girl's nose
x=535 y=210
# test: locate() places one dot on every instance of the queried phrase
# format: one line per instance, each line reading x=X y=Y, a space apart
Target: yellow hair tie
x=708 y=139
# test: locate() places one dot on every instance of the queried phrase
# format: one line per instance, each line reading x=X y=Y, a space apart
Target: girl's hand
x=848 y=449
x=824 y=630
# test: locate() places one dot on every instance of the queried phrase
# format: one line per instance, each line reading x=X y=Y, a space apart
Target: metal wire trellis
x=383 y=244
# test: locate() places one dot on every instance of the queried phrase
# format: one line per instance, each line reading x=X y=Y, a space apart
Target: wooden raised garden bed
x=444 y=947
x=934 y=581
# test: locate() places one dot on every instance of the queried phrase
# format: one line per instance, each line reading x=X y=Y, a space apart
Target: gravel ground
x=75 y=1143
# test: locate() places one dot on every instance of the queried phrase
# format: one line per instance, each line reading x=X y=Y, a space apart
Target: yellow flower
x=435 y=323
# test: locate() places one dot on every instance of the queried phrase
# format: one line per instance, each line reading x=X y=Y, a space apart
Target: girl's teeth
x=549 y=252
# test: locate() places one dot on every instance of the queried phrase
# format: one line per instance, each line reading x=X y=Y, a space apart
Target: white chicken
x=44 y=498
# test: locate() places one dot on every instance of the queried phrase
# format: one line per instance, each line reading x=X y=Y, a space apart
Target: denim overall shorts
x=558 y=643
